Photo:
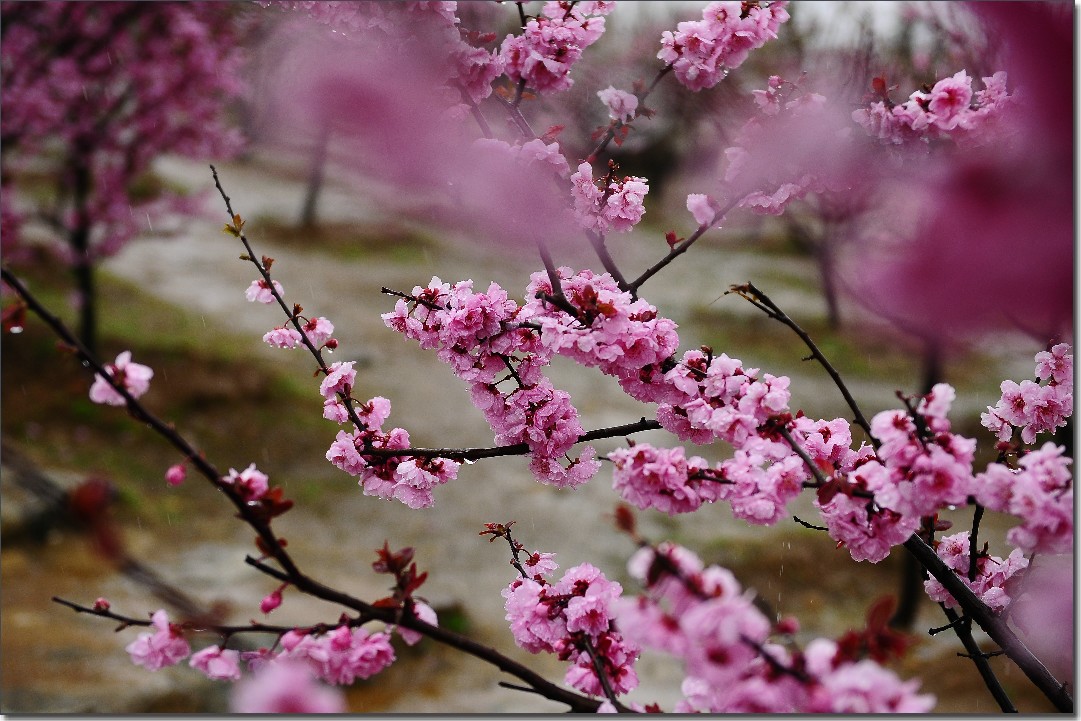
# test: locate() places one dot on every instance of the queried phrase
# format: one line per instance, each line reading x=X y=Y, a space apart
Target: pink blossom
x=949 y=98
x=648 y=477
x=701 y=208
x=319 y=331
x=286 y=687
x=285 y=337
x=217 y=664
x=249 y=483
x=621 y=104
x=342 y=655
x=340 y=379
x=176 y=474
x=259 y=291
x=550 y=45
x=618 y=207
x=1040 y=493
x=134 y=377
x=166 y=646
x=992 y=572
x=702 y=52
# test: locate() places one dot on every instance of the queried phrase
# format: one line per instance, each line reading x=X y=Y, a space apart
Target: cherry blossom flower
x=134 y=377
x=217 y=664
x=992 y=572
x=259 y=291
x=250 y=483
x=621 y=104
x=285 y=337
x=166 y=646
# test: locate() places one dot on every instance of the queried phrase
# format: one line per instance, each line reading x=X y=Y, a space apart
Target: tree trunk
x=83 y=269
x=315 y=176
x=824 y=254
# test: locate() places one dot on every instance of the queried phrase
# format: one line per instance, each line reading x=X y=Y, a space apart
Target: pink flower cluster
x=1040 y=493
x=406 y=478
x=702 y=616
x=552 y=43
x=664 y=479
x=613 y=331
x=340 y=656
x=877 y=501
x=992 y=572
x=134 y=377
x=927 y=467
x=217 y=663
x=166 y=646
x=1032 y=407
x=711 y=397
x=949 y=110
x=534 y=151
x=701 y=52
x=567 y=618
x=617 y=205
x=259 y=291
x=480 y=337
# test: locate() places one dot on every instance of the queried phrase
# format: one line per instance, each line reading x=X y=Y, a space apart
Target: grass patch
x=347 y=240
x=235 y=408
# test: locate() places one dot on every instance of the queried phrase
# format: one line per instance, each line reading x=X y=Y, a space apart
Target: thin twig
x=516 y=449
x=962 y=626
x=679 y=249
x=761 y=301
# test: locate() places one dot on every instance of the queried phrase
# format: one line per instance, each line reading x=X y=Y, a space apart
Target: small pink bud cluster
x=949 y=110
x=573 y=619
x=552 y=43
x=702 y=616
x=701 y=52
x=1040 y=493
x=615 y=206
x=318 y=331
x=1032 y=407
x=478 y=335
x=992 y=572
x=134 y=377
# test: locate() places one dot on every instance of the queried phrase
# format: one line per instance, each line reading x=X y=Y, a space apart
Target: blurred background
x=87 y=514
